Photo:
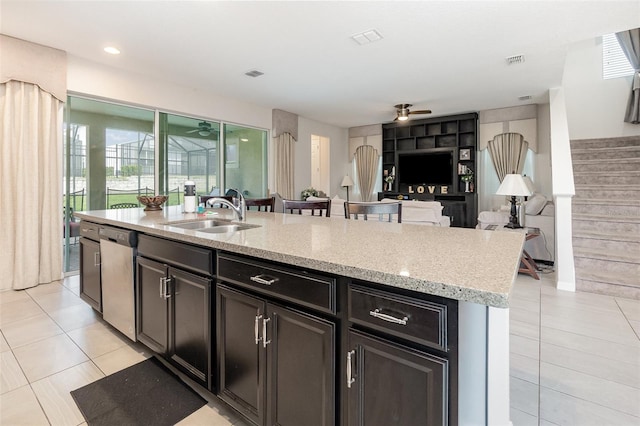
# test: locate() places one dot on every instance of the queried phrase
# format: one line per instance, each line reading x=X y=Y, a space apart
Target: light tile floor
x=575 y=357
x=52 y=342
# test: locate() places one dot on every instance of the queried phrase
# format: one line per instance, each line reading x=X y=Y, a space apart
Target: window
x=614 y=62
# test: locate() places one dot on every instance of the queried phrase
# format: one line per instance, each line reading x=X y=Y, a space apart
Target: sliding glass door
x=189 y=151
x=109 y=160
x=245 y=160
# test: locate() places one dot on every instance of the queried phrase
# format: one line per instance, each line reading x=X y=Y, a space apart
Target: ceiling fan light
x=204 y=132
x=403 y=117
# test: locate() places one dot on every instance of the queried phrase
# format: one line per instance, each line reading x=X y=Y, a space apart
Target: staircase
x=606 y=215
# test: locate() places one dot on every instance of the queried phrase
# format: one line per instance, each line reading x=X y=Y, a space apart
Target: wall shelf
x=453 y=133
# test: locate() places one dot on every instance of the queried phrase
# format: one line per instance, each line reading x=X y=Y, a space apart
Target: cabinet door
x=241 y=357
x=394 y=385
x=301 y=374
x=90 y=287
x=190 y=340
x=152 y=312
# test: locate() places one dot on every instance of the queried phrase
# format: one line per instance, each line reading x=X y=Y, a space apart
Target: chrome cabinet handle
x=256 y=329
x=263 y=279
x=164 y=288
x=96 y=258
x=378 y=314
x=265 y=342
x=167 y=290
x=350 y=379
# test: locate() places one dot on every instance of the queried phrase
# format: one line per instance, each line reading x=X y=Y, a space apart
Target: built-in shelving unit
x=456 y=135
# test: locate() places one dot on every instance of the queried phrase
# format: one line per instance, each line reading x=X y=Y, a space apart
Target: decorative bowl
x=152 y=203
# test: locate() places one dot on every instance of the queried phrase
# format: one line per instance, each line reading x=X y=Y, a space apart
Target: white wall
x=339 y=152
x=595 y=107
x=90 y=78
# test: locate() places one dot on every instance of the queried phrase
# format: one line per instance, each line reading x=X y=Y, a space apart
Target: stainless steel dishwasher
x=118 y=251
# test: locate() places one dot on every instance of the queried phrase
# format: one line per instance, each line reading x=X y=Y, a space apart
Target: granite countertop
x=464 y=264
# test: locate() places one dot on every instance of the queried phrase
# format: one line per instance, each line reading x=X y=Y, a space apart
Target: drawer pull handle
x=263 y=279
x=378 y=314
x=350 y=379
x=256 y=329
x=265 y=342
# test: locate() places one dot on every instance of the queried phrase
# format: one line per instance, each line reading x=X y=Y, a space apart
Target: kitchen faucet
x=240 y=210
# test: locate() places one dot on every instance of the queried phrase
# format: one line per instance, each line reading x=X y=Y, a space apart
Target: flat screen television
x=421 y=168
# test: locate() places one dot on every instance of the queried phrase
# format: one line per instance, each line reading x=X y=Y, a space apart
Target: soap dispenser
x=190 y=197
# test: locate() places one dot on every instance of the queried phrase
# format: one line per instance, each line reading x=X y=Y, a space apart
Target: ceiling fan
x=403 y=113
x=204 y=129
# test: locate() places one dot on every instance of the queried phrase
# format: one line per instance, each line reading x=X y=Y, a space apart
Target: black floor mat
x=143 y=394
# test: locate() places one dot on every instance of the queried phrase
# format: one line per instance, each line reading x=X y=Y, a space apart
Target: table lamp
x=347 y=182
x=515 y=186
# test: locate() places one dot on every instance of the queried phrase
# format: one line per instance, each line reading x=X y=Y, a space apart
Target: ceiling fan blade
x=192 y=131
x=421 y=111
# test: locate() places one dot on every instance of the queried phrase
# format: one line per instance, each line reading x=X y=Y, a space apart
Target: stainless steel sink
x=213 y=226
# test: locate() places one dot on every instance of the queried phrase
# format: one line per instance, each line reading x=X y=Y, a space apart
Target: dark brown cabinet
x=276 y=365
x=394 y=385
x=400 y=359
x=174 y=310
x=90 y=264
x=90 y=284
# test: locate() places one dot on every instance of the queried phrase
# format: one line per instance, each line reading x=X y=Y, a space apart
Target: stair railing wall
x=563 y=190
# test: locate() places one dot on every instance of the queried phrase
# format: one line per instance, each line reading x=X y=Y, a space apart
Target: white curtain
x=366 y=158
x=31 y=175
x=284 y=159
x=630 y=44
x=508 y=152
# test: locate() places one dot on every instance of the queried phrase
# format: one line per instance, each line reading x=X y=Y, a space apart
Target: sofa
x=539 y=213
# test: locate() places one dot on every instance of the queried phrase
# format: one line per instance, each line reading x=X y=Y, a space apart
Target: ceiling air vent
x=254 y=73
x=367 y=37
x=516 y=59
x=524 y=98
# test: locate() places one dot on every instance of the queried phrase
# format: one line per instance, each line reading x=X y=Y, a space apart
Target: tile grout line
x=589 y=402
x=626 y=318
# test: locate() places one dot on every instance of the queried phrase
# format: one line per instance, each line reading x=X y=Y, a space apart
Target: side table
x=527 y=264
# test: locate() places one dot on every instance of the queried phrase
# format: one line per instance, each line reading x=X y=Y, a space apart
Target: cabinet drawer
x=298 y=286
x=416 y=320
x=90 y=230
x=196 y=259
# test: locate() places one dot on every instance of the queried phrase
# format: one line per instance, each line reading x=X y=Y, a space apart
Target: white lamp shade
x=514 y=184
x=346 y=181
x=529 y=183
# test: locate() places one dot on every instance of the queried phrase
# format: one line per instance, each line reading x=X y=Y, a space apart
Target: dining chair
x=290 y=206
x=262 y=204
x=380 y=209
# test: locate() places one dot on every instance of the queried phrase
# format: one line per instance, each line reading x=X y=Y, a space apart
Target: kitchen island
x=461 y=276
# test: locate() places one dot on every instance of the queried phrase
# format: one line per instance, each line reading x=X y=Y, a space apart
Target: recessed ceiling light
x=112 y=50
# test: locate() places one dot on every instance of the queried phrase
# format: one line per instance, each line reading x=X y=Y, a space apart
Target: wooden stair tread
x=607 y=277
x=621 y=237
x=606 y=201
x=611 y=255
x=606 y=218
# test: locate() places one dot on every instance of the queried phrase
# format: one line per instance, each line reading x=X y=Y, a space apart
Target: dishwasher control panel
x=120 y=236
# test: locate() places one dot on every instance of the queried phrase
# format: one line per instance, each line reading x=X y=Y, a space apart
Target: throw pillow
x=535 y=204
